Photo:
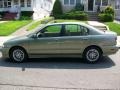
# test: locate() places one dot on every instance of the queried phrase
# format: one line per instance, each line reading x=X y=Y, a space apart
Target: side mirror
x=34 y=36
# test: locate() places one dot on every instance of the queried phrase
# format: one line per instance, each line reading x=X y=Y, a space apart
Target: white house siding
x=42 y=8
x=117 y=9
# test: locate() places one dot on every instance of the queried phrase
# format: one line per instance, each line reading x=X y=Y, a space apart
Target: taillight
x=116 y=38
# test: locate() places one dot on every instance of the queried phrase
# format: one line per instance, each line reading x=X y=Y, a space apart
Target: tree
x=57 y=8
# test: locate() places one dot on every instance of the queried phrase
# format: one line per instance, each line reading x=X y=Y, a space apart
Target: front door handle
x=84 y=38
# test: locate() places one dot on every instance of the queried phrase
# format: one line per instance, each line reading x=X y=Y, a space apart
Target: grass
x=36 y=24
x=9 y=27
x=62 y=20
x=114 y=27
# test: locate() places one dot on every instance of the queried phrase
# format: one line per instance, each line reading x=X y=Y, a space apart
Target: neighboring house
x=43 y=8
x=117 y=9
x=92 y=5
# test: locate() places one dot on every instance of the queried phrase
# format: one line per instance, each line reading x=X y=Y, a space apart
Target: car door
x=75 y=39
x=46 y=41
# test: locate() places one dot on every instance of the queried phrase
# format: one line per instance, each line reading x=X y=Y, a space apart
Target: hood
x=15 y=39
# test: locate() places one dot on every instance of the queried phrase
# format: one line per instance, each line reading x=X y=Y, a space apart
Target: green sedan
x=62 y=40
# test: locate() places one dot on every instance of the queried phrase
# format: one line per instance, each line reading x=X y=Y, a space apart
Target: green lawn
x=62 y=20
x=37 y=23
x=34 y=25
x=9 y=27
x=114 y=27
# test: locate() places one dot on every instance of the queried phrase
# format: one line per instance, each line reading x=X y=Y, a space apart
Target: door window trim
x=77 y=30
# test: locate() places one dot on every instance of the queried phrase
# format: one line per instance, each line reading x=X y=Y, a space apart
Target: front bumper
x=5 y=52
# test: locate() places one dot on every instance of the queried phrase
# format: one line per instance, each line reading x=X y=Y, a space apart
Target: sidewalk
x=22 y=31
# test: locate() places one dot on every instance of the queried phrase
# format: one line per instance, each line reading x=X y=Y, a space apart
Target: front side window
x=51 y=31
x=72 y=2
x=75 y=30
x=98 y=2
x=104 y=2
x=66 y=2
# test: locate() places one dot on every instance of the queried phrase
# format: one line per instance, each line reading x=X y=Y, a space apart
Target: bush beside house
x=57 y=9
x=77 y=13
x=26 y=15
x=107 y=15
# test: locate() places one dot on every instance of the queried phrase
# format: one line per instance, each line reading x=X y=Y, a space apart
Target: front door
x=47 y=41
x=90 y=5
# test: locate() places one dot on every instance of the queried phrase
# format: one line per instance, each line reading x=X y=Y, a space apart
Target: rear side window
x=75 y=30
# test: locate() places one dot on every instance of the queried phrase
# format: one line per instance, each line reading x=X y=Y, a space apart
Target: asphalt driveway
x=60 y=74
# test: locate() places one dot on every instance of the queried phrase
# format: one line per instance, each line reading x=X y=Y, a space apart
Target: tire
x=92 y=55
x=18 y=54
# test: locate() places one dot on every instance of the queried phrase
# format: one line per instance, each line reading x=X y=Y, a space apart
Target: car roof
x=80 y=23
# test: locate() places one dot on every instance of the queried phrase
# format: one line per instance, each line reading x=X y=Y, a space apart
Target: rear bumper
x=108 y=50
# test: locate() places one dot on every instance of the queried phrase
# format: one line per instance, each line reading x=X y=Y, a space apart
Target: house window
x=104 y=2
x=28 y=3
x=7 y=3
x=66 y=2
x=22 y=2
x=78 y=1
x=117 y=4
x=16 y=2
x=1 y=3
x=98 y=2
x=72 y=2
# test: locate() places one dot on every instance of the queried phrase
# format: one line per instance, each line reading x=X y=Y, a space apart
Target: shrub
x=27 y=13
x=57 y=8
x=77 y=15
x=106 y=17
x=2 y=14
x=109 y=10
x=79 y=7
x=25 y=18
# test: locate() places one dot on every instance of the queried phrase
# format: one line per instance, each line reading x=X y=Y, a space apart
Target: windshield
x=36 y=30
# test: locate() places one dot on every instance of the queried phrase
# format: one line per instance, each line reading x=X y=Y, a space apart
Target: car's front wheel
x=92 y=55
x=18 y=54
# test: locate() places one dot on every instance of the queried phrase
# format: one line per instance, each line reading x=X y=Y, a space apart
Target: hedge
x=77 y=15
x=106 y=17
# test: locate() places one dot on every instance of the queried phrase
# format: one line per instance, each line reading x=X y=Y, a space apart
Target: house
x=42 y=8
x=92 y=5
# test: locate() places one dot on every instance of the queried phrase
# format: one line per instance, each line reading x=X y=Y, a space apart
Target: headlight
x=1 y=46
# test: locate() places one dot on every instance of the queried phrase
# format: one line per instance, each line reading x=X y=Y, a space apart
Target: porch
x=10 y=5
x=89 y=5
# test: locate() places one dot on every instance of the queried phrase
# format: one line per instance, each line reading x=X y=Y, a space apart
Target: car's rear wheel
x=92 y=55
x=18 y=54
